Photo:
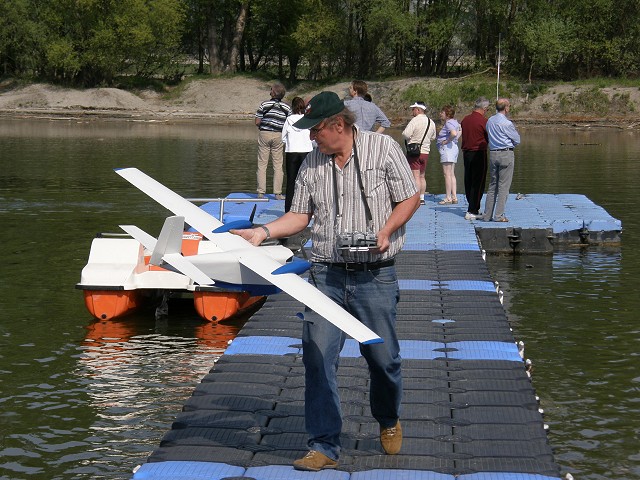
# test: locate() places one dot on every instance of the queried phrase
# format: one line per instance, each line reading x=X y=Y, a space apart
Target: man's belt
x=503 y=150
x=362 y=267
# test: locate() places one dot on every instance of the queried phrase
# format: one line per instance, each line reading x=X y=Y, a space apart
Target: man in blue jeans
x=353 y=181
x=503 y=138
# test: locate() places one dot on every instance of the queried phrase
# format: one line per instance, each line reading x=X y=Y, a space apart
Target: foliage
x=455 y=92
x=548 y=41
x=596 y=101
x=92 y=42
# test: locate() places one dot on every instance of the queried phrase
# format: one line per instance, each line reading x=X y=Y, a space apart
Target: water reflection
x=103 y=130
x=137 y=373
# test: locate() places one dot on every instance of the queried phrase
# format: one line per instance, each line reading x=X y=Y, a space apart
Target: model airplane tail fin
x=166 y=250
x=169 y=240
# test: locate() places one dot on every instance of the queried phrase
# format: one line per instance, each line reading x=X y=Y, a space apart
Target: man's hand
x=255 y=236
x=383 y=242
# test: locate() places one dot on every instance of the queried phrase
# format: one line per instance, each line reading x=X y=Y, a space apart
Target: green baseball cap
x=323 y=105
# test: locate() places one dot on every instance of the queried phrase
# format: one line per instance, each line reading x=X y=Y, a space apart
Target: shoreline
x=184 y=117
x=230 y=101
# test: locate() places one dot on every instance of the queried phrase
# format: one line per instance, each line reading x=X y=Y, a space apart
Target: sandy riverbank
x=228 y=100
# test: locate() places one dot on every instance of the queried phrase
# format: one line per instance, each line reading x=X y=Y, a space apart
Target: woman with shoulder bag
x=418 y=135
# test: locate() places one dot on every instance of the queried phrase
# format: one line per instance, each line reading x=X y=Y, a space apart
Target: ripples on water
x=86 y=400
x=572 y=311
x=102 y=417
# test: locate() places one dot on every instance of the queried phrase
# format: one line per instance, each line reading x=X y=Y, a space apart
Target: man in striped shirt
x=270 y=119
x=353 y=181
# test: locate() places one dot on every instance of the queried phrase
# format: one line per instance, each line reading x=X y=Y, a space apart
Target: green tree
x=321 y=40
x=548 y=42
x=389 y=27
x=19 y=34
x=91 y=41
x=438 y=22
x=194 y=40
x=608 y=33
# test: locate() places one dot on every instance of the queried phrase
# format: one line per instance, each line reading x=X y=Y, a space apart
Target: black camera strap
x=356 y=160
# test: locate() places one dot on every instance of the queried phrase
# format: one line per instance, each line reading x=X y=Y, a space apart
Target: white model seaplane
x=225 y=263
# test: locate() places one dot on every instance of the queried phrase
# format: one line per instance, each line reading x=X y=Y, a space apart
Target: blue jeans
x=370 y=296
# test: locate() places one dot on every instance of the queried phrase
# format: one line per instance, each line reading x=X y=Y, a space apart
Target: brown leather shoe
x=391 y=439
x=314 y=461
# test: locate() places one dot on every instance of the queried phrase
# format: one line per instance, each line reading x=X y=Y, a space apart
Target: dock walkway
x=469 y=409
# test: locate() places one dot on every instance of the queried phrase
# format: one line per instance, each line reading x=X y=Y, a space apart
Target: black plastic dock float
x=469 y=409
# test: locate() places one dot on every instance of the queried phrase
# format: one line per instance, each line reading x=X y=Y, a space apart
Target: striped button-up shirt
x=272 y=115
x=387 y=180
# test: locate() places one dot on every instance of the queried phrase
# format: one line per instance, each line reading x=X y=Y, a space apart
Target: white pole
x=498 y=80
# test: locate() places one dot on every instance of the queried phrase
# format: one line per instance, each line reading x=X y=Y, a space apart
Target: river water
x=80 y=399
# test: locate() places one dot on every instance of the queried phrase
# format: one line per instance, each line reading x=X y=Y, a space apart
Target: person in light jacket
x=421 y=129
x=296 y=146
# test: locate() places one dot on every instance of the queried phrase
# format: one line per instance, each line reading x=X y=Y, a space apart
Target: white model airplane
x=237 y=262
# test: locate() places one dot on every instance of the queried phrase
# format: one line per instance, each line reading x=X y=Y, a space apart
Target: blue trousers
x=371 y=296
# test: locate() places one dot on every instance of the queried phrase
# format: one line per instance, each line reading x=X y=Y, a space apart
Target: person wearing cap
x=367 y=113
x=352 y=181
x=420 y=130
x=474 y=153
x=503 y=138
x=270 y=118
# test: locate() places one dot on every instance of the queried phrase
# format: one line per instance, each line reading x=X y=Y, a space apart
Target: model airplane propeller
x=237 y=261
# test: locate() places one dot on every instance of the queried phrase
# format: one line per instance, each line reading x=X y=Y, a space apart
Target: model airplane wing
x=250 y=256
x=193 y=215
x=309 y=295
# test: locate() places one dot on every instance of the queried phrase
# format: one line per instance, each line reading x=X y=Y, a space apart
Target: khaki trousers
x=270 y=144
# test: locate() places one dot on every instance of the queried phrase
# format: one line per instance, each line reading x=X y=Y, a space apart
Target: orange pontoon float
x=118 y=279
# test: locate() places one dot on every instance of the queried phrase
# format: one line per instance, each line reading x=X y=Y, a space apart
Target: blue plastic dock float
x=469 y=409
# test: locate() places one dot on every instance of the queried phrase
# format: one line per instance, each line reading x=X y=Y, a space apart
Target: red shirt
x=474 y=132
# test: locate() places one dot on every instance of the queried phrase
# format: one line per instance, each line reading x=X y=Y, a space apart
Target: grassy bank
x=598 y=100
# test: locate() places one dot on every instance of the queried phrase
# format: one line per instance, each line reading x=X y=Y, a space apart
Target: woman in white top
x=296 y=146
x=447 y=142
x=420 y=130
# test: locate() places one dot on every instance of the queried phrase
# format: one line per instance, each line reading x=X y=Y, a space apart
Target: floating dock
x=469 y=409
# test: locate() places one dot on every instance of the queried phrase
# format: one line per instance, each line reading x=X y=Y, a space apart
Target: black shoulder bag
x=413 y=149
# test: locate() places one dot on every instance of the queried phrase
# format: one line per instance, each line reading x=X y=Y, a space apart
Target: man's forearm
x=401 y=214
x=289 y=224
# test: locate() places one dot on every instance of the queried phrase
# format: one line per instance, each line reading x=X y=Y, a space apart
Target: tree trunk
x=215 y=62
x=241 y=21
x=294 y=60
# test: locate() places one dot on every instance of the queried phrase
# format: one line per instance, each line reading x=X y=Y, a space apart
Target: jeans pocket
x=317 y=269
x=384 y=276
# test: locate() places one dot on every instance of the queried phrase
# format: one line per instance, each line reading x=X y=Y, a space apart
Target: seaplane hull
x=119 y=279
